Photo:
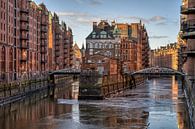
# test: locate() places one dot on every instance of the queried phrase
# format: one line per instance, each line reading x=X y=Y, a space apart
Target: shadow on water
x=157 y=105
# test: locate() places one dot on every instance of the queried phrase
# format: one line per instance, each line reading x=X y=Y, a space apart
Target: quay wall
x=94 y=86
x=189 y=90
x=17 y=90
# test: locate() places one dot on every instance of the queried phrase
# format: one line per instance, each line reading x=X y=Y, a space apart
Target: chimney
x=113 y=23
x=94 y=25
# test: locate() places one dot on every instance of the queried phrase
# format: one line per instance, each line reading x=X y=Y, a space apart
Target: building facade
x=26 y=40
x=77 y=57
x=126 y=43
x=101 y=45
x=166 y=56
x=188 y=35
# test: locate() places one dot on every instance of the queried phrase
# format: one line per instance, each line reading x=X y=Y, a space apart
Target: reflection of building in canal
x=69 y=91
x=115 y=117
x=181 y=110
x=18 y=115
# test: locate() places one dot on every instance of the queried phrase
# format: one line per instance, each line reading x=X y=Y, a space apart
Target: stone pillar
x=90 y=85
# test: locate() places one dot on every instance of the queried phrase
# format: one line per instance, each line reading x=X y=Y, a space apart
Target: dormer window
x=94 y=35
x=103 y=34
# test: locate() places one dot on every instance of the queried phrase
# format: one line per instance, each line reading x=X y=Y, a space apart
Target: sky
x=161 y=17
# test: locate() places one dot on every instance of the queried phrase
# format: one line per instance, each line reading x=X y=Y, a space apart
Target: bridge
x=147 y=71
x=157 y=71
x=66 y=72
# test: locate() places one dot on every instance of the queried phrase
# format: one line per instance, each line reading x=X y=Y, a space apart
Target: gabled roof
x=103 y=28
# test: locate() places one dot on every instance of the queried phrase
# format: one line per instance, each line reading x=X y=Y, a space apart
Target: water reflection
x=156 y=105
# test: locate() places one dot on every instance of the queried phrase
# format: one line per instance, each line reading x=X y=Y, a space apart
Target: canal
x=159 y=104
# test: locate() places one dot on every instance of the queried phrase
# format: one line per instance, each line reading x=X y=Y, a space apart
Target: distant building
x=77 y=57
x=62 y=44
x=127 y=44
x=101 y=45
x=166 y=56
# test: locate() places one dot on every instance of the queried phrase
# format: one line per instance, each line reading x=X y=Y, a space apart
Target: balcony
x=24 y=45
x=24 y=28
x=57 y=44
x=71 y=54
x=43 y=61
x=24 y=37
x=188 y=26
x=188 y=35
x=43 y=23
x=43 y=36
x=43 y=51
x=188 y=29
x=24 y=11
x=65 y=47
x=24 y=19
x=44 y=30
x=57 y=54
x=187 y=10
x=23 y=59
x=189 y=53
x=57 y=37
x=65 y=52
x=43 y=44
x=57 y=49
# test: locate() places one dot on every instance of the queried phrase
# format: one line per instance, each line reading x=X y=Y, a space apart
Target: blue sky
x=161 y=17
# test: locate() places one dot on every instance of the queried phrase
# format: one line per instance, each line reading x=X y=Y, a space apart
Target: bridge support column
x=51 y=86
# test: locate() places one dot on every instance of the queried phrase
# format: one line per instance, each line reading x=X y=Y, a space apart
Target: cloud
x=78 y=17
x=157 y=19
x=158 y=37
x=84 y=18
x=95 y=2
x=71 y=14
x=161 y=23
x=133 y=18
x=90 y=2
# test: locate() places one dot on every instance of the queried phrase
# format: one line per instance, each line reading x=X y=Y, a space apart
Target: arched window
x=96 y=45
x=91 y=45
x=100 y=45
x=11 y=60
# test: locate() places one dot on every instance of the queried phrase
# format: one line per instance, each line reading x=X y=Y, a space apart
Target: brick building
x=188 y=35
x=101 y=45
x=126 y=43
x=166 y=56
x=77 y=57
x=134 y=48
x=26 y=40
x=62 y=44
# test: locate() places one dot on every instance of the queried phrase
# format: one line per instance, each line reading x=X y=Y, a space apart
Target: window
x=96 y=45
x=90 y=51
x=93 y=36
x=103 y=34
x=90 y=45
x=11 y=60
x=3 y=58
x=111 y=46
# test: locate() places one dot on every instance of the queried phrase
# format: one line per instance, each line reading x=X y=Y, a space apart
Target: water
x=159 y=104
